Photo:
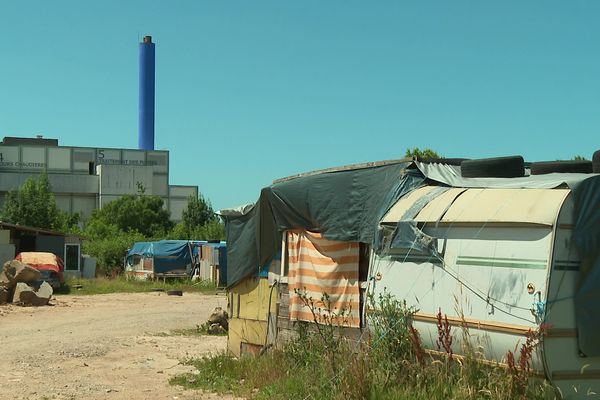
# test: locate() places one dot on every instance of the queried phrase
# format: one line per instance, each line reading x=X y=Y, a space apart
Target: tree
x=579 y=158
x=421 y=154
x=134 y=213
x=197 y=213
x=199 y=222
x=33 y=204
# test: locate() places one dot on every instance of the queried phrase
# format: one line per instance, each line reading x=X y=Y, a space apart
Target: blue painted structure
x=146 y=106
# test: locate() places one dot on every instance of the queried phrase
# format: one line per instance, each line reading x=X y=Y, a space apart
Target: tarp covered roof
x=348 y=205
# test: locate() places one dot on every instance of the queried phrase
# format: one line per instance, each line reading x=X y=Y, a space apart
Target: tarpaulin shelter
x=347 y=204
x=161 y=257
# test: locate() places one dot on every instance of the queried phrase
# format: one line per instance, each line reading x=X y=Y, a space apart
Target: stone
x=215 y=329
x=21 y=288
x=25 y=273
x=219 y=316
x=15 y=271
x=25 y=295
x=45 y=292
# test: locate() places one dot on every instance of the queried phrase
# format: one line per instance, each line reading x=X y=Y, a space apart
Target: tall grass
x=390 y=363
x=121 y=284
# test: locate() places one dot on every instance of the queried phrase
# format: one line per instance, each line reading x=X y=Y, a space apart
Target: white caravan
x=505 y=264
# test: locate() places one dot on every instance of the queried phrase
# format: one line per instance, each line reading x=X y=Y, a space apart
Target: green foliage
x=199 y=222
x=579 y=158
x=135 y=213
x=33 y=204
x=421 y=154
x=390 y=364
x=103 y=285
x=210 y=230
x=109 y=245
x=198 y=212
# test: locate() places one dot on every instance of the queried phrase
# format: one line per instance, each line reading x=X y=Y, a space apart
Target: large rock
x=21 y=288
x=219 y=316
x=15 y=271
x=25 y=295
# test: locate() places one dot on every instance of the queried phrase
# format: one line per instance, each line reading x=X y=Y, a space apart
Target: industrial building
x=85 y=178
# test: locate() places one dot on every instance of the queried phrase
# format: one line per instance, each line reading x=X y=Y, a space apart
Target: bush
x=390 y=364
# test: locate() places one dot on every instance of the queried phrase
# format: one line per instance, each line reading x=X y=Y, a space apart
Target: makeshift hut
x=498 y=254
x=162 y=259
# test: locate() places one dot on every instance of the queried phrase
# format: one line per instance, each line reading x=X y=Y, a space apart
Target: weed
x=444 y=340
x=390 y=363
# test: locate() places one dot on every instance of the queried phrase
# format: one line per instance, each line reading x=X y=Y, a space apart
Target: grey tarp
x=343 y=205
x=348 y=205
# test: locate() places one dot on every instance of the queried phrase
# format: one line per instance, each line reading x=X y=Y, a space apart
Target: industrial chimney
x=146 y=111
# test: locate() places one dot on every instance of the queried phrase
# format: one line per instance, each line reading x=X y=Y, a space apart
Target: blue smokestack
x=146 y=123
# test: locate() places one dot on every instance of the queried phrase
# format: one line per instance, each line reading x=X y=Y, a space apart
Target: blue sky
x=247 y=92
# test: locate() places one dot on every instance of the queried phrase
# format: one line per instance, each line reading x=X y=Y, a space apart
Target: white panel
x=9 y=156
x=176 y=207
x=82 y=159
x=59 y=158
x=402 y=205
x=160 y=160
x=134 y=157
x=33 y=158
x=84 y=205
x=160 y=185
x=109 y=156
x=63 y=203
x=535 y=206
x=120 y=179
x=183 y=191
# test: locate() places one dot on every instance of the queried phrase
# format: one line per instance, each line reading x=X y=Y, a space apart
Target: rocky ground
x=114 y=346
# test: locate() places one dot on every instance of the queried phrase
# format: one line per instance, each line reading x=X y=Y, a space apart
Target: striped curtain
x=318 y=266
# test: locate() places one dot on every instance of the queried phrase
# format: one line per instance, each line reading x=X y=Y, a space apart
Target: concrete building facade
x=86 y=178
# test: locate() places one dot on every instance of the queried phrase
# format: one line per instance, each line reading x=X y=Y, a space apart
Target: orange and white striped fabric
x=318 y=266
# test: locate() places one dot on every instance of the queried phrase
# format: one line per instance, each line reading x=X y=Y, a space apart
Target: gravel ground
x=113 y=346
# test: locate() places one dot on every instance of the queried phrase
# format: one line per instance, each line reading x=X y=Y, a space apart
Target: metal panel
x=436 y=208
x=400 y=208
x=522 y=206
x=59 y=158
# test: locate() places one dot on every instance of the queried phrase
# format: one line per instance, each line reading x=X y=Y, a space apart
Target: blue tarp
x=168 y=255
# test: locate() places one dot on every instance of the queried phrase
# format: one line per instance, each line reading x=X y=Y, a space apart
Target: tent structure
x=155 y=259
x=396 y=210
x=178 y=258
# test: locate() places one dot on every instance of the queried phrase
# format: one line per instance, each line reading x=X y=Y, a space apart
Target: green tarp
x=343 y=205
x=348 y=205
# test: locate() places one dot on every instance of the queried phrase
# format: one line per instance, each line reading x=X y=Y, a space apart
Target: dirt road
x=103 y=347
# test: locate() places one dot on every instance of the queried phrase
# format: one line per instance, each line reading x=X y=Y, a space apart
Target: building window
x=72 y=257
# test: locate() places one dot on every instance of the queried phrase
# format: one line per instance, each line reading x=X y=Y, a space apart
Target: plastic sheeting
x=343 y=205
x=348 y=205
x=586 y=235
x=168 y=254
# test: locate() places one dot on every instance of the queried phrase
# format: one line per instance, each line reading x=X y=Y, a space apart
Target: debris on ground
x=16 y=285
x=218 y=322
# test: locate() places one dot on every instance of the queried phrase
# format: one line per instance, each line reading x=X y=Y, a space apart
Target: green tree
x=198 y=212
x=421 y=154
x=108 y=244
x=134 y=213
x=579 y=158
x=199 y=222
x=33 y=204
